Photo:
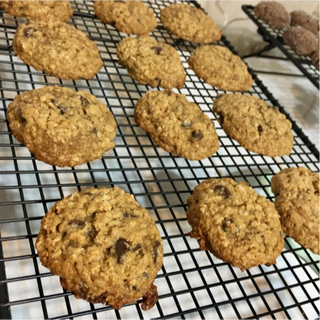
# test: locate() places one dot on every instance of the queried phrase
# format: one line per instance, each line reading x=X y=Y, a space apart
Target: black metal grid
x=192 y=284
x=274 y=37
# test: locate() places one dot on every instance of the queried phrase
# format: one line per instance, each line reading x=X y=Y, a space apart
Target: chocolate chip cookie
x=57 y=49
x=39 y=10
x=176 y=125
x=60 y=126
x=219 y=67
x=189 y=23
x=303 y=41
x=297 y=201
x=132 y=17
x=104 y=247
x=150 y=62
x=304 y=20
x=235 y=223
x=256 y=125
x=273 y=13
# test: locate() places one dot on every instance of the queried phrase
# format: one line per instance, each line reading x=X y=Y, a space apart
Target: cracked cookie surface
x=57 y=49
x=296 y=193
x=256 y=125
x=132 y=17
x=176 y=125
x=60 y=126
x=235 y=223
x=189 y=23
x=219 y=67
x=273 y=13
x=39 y=10
x=104 y=246
x=152 y=63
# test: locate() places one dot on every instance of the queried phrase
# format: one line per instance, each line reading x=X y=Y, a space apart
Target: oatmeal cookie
x=132 y=17
x=39 y=10
x=60 y=126
x=297 y=201
x=219 y=67
x=176 y=125
x=104 y=247
x=57 y=49
x=273 y=13
x=235 y=223
x=189 y=23
x=151 y=62
x=304 y=20
x=256 y=125
x=303 y=41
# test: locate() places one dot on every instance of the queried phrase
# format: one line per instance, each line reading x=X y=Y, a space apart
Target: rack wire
x=192 y=284
x=274 y=38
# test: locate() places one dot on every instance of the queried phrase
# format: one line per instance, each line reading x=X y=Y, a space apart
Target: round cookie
x=235 y=223
x=219 y=67
x=304 y=20
x=60 y=126
x=273 y=13
x=256 y=125
x=39 y=10
x=151 y=62
x=189 y=23
x=303 y=41
x=176 y=125
x=57 y=49
x=132 y=17
x=296 y=193
x=104 y=247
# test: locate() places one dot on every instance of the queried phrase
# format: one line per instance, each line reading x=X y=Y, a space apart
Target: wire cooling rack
x=192 y=284
x=274 y=37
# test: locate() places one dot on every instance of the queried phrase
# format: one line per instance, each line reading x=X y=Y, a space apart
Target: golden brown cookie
x=256 y=125
x=151 y=62
x=219 y=67
x=104 y=247
x=297 y=201
x=189 y=23
x=57 y=49
x=60 y=126
x=39 y=10
x=235 y=223
x=132 y=17
x=176 y=125
x=273 y=13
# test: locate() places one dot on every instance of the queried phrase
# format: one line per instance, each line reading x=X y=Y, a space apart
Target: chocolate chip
x=155 y=251
x=186 y=124
x=134 y=288
x=260 y=129
x=220 y=118
x=29 y=32
x=196 y=135
x=22 y=119
x=137 y=247
x=225 y=224
x=63 y=110
x=64 y=234
x=92 y=233
x=122 y=247
x=157 y=50
x=168 y=92
x=77 y=224
x=95 y=130
x=84 y=102
x=219 y=96
x=222 y=191
x=159 y=81
x=145 y=274
x=129 y=215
